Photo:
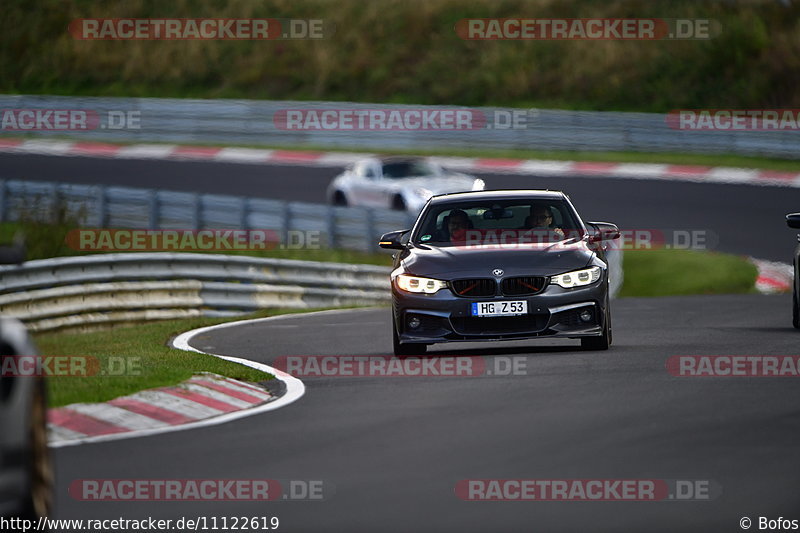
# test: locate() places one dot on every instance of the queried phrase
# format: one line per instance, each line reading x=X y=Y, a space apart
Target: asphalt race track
x=739 y=219
x=391 y=449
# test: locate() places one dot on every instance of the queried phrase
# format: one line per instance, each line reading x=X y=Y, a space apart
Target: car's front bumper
x=555 y=312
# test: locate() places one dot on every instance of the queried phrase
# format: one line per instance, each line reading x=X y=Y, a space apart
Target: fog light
x=586 y=315
x=413 y=322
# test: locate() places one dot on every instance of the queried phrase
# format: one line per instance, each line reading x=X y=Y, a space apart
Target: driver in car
x=541 y=218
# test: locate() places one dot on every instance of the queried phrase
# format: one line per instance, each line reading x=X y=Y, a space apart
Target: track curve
x=394 y=448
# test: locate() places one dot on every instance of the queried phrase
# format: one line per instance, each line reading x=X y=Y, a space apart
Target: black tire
x=39 y=501
x=405 y=350
x=398 y=204
x=602 y=342
x=795 y=308
x=339 y=199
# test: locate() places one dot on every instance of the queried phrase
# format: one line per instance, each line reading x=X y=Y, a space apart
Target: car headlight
x=419 y=285
x=478 y=184
x=577 y=278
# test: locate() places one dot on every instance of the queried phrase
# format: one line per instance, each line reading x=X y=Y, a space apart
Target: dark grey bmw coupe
x=497 y=265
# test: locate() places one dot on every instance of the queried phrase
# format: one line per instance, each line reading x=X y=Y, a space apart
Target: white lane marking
x=243 y=155
x=45 y=147
x=547 y=168
x=732 y=175
x=339 y=159
x=719 y=175
x=643 y=170
x=145 y=151
x=295 y=388
x=116 y=416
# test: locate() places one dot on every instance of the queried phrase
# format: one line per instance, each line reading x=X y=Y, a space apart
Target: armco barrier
x=353 y=228
x=252 y=122
x=112 y=288
x=108 y=289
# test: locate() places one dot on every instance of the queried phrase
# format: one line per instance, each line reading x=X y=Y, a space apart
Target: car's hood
x=452 y=262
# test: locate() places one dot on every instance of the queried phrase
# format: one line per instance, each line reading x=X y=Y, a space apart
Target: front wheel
x=339 y=199
x=398 y=204
x=602 y=342
x=795 y=308
x=404 y=350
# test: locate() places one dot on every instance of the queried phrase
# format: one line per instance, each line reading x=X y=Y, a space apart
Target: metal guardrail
x=113 y=288
x=355 y=228
x=251 y=122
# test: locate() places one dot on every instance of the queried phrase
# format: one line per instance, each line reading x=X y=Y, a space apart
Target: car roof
x=510 y=194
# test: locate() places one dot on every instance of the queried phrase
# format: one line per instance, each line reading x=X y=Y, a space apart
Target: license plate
x=499 y=308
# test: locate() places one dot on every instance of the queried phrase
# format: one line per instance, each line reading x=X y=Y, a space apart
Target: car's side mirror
x=793 y=220
x=603 y=231
x=393 y=240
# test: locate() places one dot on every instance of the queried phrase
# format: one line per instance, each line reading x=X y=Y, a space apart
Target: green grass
x=662 y=272
x=406 y=51
x=145 y=356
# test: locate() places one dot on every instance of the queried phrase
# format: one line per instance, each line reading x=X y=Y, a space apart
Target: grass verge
x=683 y=272
x=135 y=358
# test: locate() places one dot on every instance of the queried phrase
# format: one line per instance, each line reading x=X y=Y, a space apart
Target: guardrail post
x=54 y=207
x=369 y=226
x=153 y=210
x=2 y=200
x=286 y=222
x=245 y=213
x=102 y=207
x=198 y=212
x=331 y=227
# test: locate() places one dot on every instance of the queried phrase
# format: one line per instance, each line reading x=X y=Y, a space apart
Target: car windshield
x=516 y=221
x=406 y=169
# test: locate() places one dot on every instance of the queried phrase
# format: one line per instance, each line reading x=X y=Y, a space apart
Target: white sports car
x=402 y=183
